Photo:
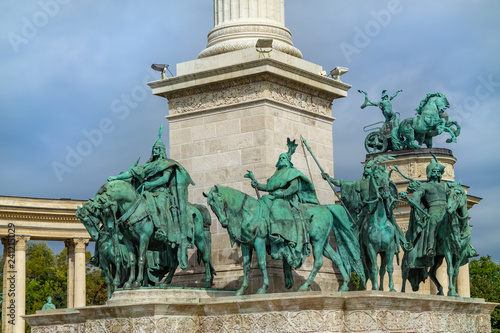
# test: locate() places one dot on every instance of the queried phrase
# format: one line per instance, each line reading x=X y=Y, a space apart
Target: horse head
x=217 y=204
x=457 y=198
x=88 y=219
x=433 y=103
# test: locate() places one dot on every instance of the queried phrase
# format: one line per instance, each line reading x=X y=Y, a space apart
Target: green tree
x=45 y=276
x=485 y=283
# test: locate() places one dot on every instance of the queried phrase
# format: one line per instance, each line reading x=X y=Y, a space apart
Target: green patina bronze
x=286 y=222
x=438 y=228
x=144 y=224
x=410 y=133
x=371 y=201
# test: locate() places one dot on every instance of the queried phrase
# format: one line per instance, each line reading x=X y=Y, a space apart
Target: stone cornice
x=262 y=66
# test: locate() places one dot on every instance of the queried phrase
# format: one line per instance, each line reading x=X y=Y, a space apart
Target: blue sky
x=73 y=72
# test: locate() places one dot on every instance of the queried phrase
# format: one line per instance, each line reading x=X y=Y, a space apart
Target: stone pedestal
x=232 y=110
x=365 y=311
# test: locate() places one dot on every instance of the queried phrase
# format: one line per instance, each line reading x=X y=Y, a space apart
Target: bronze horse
x=432 y=121
x=134 y=221
x=247 y=220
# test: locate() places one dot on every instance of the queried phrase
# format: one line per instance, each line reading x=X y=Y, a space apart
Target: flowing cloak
x=283 y=218
x=178 y=188
x=347 y=242
x=287 y=214
x=351 y=196
x=415 y=263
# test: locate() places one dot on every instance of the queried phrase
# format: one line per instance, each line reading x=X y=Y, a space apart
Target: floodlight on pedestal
x=161 y=68
x=264 y=46
x=337 y=72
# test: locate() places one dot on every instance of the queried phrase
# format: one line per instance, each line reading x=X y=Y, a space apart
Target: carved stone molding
x=250 y=90
x=368 y=311
x=235 y=45
x=247 y=29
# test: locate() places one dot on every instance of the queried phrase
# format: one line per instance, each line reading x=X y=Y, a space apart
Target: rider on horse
x=288 y=190
x=356 y=195
x=164 y=183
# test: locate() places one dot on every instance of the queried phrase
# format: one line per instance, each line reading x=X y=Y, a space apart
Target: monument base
x=168 y=310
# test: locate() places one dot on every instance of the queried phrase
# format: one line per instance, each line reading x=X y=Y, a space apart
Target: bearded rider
x=288 y=189
x=164 y=183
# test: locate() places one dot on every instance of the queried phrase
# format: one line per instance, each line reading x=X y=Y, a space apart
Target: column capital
x=70 y=244
x=21 y=242
x=80 y=244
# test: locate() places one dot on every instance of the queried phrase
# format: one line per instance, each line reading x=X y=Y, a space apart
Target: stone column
x=80 y=271
x=463 y=281
x=238 y=24
x=71 y=272
x=20 y=277
x=6 y=300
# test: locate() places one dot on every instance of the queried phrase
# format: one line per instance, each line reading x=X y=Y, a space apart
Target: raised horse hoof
x=431 y=253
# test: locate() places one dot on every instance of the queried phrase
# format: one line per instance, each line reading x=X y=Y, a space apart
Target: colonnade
x=14 y=279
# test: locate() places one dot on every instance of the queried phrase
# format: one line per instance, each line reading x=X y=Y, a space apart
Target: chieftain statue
x=288 y=190
x=410 y=133
x=164 y=184
x=438 y=228
x=371 y=201
x=144 y=224
x=287 y=222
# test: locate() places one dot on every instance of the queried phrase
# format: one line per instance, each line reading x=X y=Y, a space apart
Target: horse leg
x=143 y=246
x=390 y=270
x=107 y=277
x=318 y=250
x=287 y=270
x=432 y=274
x=246 y=253
x=372 y=257
x=451 y=270
x=382 y=270
x=330 y=253
x=132 y=266
x=260 y=249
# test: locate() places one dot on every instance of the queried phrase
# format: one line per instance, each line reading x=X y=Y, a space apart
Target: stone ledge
x=356 y=311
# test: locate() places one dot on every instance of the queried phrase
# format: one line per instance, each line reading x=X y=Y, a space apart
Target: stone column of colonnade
x=76 y=271
x=6 y=285
x=14 y=285
x=20 y=282
x=71 y=273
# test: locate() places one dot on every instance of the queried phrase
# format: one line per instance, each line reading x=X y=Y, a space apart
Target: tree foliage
x=485 y=283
